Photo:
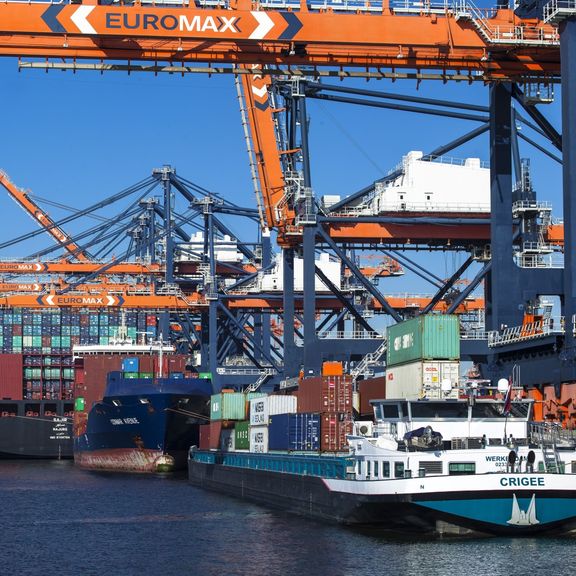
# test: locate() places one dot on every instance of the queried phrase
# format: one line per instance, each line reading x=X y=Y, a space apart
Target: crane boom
x=42 y=218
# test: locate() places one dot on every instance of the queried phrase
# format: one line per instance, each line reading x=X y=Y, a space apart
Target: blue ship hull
x=143 y=425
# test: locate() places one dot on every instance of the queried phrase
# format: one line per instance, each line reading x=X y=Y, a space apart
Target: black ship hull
x=35 y=429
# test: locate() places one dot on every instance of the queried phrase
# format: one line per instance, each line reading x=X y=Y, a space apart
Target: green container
x=131 y=375
x=207 y=375
x=146 y=374
x=229 y=406
x=430 y=337
x=242 y=435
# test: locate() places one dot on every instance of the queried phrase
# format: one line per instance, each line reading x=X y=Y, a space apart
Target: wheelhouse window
x=386 y=469
x=461 y=468
x=491 y=410
x=398 y=469
x=430 y=410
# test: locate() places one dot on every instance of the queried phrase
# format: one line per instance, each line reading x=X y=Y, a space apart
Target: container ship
x=37 y=373
x=137 y=410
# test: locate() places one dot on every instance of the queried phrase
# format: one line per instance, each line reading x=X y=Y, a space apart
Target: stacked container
x=44 y=338
x=294 y=432
x=423 y=358
x=331 y=398
x=262 y=411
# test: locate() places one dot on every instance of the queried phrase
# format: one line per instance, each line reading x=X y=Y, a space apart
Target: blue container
x=130 y=365
x=296 y=432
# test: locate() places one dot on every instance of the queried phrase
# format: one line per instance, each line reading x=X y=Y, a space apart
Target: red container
x=204 y=440
x=334 y=427
x=150 y=320
x=371 y=389
x=214 y=439
x=11 y=375
x=17 y=329
x=325 y=394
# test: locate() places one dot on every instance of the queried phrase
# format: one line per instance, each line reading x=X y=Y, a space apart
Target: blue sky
x=76 y=138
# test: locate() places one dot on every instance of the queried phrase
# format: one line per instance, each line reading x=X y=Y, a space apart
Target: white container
x=423 y=380
x=262 y=408
x=228 y=440
x=259 y=439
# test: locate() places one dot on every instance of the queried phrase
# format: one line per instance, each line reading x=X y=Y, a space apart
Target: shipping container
x=423 y=380
x=259 y=439
x=228 y=440
x=370 y=389
x=11 y=366
x=242 y=435
x=332 y=369
x=204 y=437
x=228 y=406
x=295 y=432
x=262 y=408
x=334 y=427
x=130 y=364
x=325 y=394
x=429 y=337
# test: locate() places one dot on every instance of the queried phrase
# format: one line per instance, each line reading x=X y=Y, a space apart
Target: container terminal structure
x=282 y=54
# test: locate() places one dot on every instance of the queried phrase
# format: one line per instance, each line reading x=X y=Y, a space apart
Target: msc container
x=259 y=439
x=130 y=365
x=11 y=387
x=334 y=427
x=299 y=432
x=242 y=435
x=228 y=440
x=422 y=380
x=262 y=408
x=430 y=337
x=228 y=406
x=325 y=394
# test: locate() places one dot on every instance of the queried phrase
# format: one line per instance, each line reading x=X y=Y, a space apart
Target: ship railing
x=551 y=434
x=406 y=206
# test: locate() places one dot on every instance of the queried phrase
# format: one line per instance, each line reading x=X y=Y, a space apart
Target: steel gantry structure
x=452 y=40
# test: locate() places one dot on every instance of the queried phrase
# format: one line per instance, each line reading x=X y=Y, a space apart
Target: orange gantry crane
x=42 y=218
x=496 y=43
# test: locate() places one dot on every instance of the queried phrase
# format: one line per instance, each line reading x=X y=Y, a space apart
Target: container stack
x=227 y=409
x=330 y=397
x=268 y=429
x=423 y=358
x=44 y=341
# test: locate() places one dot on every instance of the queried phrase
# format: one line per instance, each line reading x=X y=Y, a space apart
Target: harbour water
x=58 y=520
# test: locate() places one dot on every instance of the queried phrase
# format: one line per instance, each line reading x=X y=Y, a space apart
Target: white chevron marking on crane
x=265 y=24
x=260 y=92
x=80 y=19
x=111 y=300
x=50 y=300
